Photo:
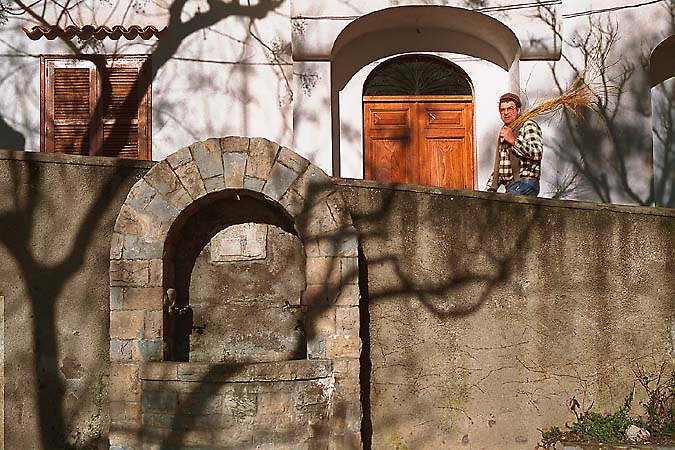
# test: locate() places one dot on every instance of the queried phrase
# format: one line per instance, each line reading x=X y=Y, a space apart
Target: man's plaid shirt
x=528 y=148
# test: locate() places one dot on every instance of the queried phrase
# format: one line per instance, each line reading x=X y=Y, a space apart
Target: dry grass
x=578 y=95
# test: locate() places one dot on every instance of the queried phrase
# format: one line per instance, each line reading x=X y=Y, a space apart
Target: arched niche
x=237 y=267
x=165 y=222
x=409 y=29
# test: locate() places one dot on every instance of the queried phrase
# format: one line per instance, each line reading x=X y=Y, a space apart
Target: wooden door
x=420 y=140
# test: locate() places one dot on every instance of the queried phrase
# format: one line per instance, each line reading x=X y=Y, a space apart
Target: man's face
x=508 y=111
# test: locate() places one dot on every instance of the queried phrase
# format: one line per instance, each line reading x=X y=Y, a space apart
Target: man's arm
x=529 y=143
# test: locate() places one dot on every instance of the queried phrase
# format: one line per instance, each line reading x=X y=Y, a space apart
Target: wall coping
x=506 y=198
x=297 y=370
x=79 y=160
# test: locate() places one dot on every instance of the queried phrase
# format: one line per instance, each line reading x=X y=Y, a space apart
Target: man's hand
x=505 y=134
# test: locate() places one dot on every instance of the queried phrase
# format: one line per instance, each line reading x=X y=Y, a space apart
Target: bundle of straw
x=577 y=95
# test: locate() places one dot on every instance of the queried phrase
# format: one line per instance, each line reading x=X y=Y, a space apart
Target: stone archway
x=148 y=396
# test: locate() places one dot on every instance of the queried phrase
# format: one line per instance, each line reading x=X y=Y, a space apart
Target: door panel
x=388 y=147
x=420 y=142
x=445 y=144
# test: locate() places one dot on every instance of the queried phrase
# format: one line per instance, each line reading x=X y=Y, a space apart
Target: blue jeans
x=523 y=187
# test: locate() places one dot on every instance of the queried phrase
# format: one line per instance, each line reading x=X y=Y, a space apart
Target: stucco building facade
x=296 y=72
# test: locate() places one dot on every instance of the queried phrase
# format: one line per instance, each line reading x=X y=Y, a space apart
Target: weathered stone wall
x=56 y=218
x=482 y=314
x=237 y=406
x=488 y=313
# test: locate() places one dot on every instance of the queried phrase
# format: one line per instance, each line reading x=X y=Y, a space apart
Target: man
x=518 y=157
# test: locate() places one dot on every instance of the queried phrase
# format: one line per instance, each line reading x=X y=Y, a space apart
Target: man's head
x=509 y=107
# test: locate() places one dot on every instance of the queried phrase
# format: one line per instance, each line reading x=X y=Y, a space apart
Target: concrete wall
x=56 y=219
x=488 y=313
x=482 y=314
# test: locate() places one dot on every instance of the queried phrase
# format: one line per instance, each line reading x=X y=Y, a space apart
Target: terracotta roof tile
x=87 y=31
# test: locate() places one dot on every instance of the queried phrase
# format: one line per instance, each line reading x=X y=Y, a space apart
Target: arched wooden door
x=418 y=123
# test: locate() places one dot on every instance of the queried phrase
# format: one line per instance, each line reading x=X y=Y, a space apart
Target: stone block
x=125 y=412
x=234 y=144
x=124 y=272
x=275 y=403
x=162 y=178
x=191 y=179
x=208 y=158
x=126 y=324
x=138 y=298
x=124 y=383
x=292 y=202
x=116 y=297
x=179 y=158
x=234 y=168
x=280 y=179
x=214 y=184
x=165 y=370
x=200 y=403
x=342 y=242
x=313 y=185
x=140 y=194
x=262 y=154
x=316 y=222
x=319 y=320
x=318 y=295
x=126 y=438
x=316 y=347
x=347 y=441
x=349 y=295
x=162 y=210
x=343 y=346
x=346 y=368
x=133 y=222
x=159 y=401
x=239 y=405
x=153 y=324
x=120 y=350
x=148 y=350
x=242 y=242
x=116 y=244
x=323 y=270
x=349 y=270
x=292 y=160
x=253 y=184
x=155 y=272
x=178 y=199
x=347 y=320
x=136 y=247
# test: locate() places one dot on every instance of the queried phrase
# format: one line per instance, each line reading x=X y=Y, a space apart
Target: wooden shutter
x=69 y=98
x=95 y=106
x=125 y=94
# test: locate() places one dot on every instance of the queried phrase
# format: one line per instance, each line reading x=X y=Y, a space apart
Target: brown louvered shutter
x=125 y=95
x=96 y=107
x=69 y=93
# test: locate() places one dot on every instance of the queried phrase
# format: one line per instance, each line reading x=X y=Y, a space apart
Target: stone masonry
x=148 y=396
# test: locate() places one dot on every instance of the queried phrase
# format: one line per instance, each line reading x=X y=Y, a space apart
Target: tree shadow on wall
x=606 y=154
x=45 y=280
x=10 y=139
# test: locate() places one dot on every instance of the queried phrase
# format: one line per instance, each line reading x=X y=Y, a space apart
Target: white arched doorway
x=412 y=29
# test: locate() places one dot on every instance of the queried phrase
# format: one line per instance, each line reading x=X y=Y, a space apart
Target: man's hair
x=510 y=97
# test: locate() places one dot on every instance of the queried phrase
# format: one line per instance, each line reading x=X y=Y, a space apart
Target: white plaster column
x=312 y=112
